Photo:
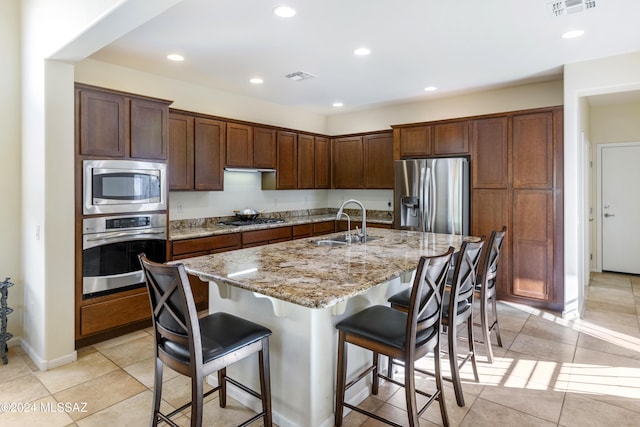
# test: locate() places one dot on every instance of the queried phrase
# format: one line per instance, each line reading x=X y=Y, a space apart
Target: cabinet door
x=451 y=138
x=489 y=148
x=264 y=148
x=148 y=129
x=287 y=161
x=378 y=161
x=532 y=242
x=490 y=211
x=239 y=142
x=322 y=170
x=306 y=160
x=348 y=162
x=209 y=152
x=180 y=164
x=102 y=123
x=415 y=141
x=533 y=150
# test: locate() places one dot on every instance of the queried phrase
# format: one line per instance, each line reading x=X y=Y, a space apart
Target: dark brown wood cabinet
x=322 y=165
x=363 y=161
x=451 y=138
x=196 y=147
x=517 y=181
x=264 y=148
x=181 y=151
x=414 y=141
x=239 y=145
x=286 y=174
x=120 y=125
x=490 y=152
x=348 y=162
x=306 y=161
x=266 y=236
x=378 y=161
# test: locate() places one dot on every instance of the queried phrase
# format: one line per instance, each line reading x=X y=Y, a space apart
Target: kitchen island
x=300 y=290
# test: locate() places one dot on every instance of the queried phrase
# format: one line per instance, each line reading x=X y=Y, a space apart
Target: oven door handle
x=123 y=234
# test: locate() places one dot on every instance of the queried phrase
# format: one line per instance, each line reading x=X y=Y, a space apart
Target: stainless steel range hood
x=252 y=170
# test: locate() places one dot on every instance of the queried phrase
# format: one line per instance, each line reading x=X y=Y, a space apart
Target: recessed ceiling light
x=430 y=88
x=338 y=104
x=362 y=51
x=256 y=81
x=572 y=34
x=284 y=11
x=175 y=57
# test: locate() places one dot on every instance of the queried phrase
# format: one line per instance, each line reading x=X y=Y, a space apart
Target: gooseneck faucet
x=364 y=216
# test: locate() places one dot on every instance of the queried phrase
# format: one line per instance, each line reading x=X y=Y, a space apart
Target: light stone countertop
x=321 y=276
x=217 y=229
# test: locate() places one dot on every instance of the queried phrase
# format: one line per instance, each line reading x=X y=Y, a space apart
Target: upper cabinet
x=451 y=138
x=348 y=162
x=306 y=161
x=434 y=139
x=287 y=161
x=117 y=124
x=414 y=141
x=250 y=147
x=378 y=160
x=364 y=161
x=264 y=148
x=239 y=150
x=490 y=152
x=196 y=152
x=322 y=165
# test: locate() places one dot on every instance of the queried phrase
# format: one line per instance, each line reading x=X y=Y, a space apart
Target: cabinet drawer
x=117 y=312
x=257 y=236
x=302 y=230
x=189 y=246
x=326 y=227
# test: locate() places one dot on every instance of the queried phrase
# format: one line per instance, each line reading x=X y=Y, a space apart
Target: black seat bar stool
x=404 y=336
x=199 y=347
x=458 y=302
x=486 y=289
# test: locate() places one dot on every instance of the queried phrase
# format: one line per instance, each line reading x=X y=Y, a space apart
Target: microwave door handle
x=122 y=234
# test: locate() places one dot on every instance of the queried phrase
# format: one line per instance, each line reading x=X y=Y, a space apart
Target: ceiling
x=457 y=46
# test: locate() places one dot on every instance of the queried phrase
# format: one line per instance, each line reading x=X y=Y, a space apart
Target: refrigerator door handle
x=433 y=198
x=422 y=194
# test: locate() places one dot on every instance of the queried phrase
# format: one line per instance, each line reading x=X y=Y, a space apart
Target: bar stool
x=199 y=347
x=404 y=336
x=458 y=310
x=486 y=289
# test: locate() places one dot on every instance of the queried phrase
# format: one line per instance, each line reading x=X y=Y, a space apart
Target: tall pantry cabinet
x=517 y=180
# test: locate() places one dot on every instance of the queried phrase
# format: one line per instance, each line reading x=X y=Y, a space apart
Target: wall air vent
x=568 y=7
x=299 y=76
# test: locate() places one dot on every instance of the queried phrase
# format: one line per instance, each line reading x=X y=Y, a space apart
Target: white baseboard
x=44 y=364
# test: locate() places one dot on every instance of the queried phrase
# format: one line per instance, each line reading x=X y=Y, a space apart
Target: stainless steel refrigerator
x=432 y=195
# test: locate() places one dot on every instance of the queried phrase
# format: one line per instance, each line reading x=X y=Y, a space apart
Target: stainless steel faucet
x=348 y=239
x=363 y=238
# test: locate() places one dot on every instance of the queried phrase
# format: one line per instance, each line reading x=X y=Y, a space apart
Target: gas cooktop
x=241 y=222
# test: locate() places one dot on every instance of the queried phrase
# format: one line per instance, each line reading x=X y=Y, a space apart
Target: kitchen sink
x=338 y=241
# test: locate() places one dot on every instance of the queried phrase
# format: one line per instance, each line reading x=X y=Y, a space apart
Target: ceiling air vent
x=299 y=76
x=568 y=7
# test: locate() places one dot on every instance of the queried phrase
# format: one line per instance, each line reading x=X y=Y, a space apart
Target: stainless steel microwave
x=115 y=186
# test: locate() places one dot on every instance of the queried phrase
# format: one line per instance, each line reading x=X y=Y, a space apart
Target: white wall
x=10 y=170
x=47 y=108
x=484 y=102
x=606 y=75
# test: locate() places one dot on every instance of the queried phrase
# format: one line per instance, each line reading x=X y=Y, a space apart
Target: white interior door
x=621 y=208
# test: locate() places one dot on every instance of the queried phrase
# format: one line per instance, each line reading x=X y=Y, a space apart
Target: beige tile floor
x=550 y=372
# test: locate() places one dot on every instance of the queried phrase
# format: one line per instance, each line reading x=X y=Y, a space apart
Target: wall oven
x=110 y=248
x=117 y=186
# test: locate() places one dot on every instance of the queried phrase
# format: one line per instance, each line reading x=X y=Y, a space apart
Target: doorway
x=617 y=207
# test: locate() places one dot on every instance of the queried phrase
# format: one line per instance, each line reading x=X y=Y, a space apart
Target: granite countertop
x=321 y=276
x=213 y=228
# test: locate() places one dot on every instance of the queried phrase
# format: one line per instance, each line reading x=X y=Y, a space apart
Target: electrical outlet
x=389 y=205
x=180 y=207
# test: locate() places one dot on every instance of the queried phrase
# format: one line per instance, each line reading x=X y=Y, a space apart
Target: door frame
x=598 y=215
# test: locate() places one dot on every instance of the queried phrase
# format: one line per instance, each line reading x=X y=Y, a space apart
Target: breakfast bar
x=300 y=289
